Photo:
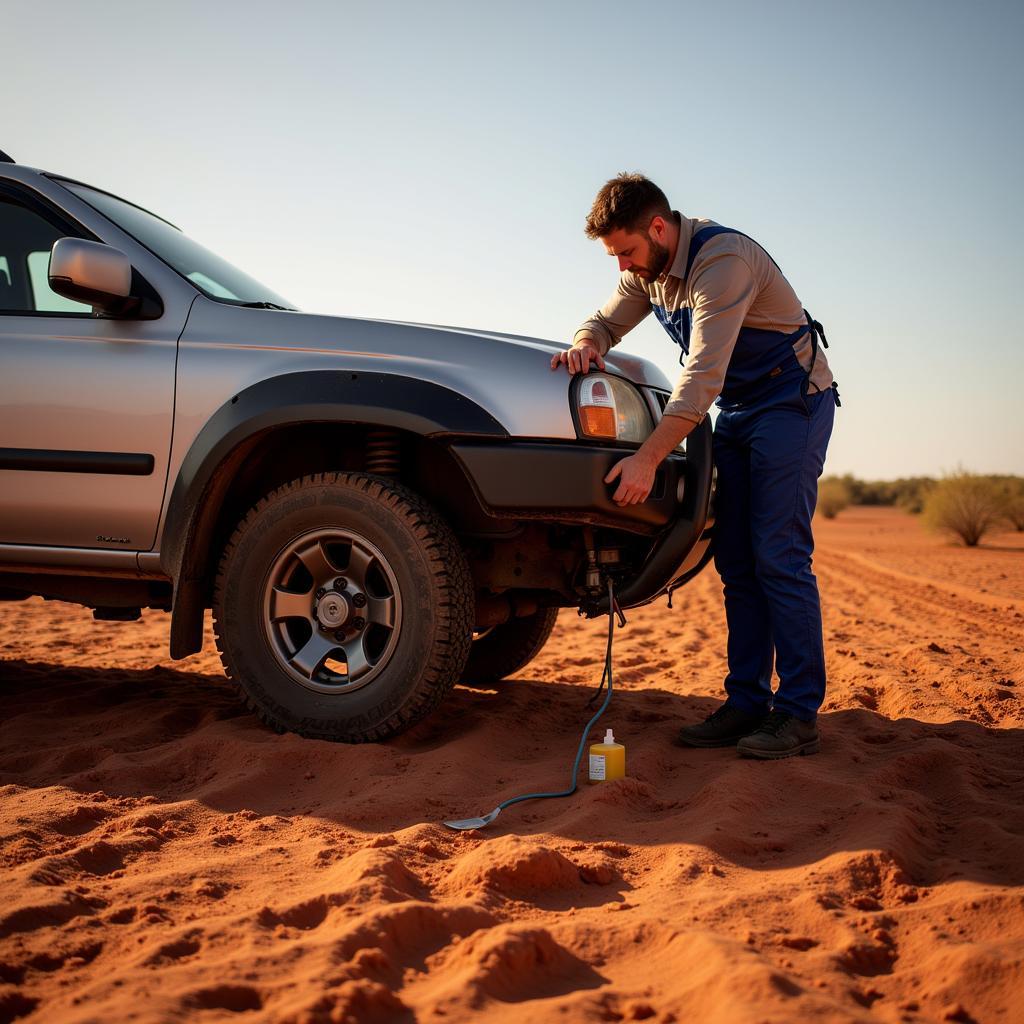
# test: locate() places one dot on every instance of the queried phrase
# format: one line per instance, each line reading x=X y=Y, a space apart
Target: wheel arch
x=255 y=427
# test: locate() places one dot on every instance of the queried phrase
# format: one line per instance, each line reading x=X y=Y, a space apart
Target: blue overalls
x=769 y=447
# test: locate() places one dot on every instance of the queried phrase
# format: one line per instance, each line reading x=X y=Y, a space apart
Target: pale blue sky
x=435 y=162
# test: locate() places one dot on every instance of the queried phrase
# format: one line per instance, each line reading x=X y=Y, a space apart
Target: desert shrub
x=833 y=496
x=907 y=493
x=910 y=494
x=965 y=505
x=857 y=490
x=870 y=492
x=1012 y=489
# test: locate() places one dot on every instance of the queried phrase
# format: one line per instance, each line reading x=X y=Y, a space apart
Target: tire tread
x=455 y=609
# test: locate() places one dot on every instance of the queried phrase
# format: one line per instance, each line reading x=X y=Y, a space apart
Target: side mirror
x=102 y=276
x=91 y=272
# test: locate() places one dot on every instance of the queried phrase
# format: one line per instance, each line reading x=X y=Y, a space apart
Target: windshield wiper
x=267 y=305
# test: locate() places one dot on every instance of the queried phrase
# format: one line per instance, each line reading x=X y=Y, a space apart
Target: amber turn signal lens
x=598 y=421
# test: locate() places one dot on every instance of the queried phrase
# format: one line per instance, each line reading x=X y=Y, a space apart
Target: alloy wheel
x=332 y=610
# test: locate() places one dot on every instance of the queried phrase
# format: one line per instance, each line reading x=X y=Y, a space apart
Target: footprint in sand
x=236 y=998
x=16 y=1004
x=801 y=943
x=303 y=916
x=188 y=945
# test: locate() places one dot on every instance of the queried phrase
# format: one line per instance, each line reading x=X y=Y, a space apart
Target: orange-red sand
x=167 y=858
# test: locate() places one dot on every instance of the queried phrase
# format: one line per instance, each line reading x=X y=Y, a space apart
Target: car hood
x=635 y=368
x=507 y=375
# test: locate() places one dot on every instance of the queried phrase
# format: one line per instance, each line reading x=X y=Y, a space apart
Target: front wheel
x=343 y=607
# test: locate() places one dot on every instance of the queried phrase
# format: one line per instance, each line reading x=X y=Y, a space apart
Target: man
x=748 y=343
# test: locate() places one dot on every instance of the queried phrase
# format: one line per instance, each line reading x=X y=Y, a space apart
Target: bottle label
x=597 y=763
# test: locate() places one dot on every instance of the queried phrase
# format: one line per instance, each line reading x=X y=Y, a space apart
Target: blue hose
x=607 y=675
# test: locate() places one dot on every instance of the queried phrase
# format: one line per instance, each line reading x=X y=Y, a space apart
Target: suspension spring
x=382 y=453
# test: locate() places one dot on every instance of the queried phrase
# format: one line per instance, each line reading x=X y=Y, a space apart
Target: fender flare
x=324 y=396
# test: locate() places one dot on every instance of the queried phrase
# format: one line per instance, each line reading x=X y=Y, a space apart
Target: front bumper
x=562 y=482
x=565 y=482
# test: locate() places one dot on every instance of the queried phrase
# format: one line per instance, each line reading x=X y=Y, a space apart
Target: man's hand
x=579 y=357
x=635 y=474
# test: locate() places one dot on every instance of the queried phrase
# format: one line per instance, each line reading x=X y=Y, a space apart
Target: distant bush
x=1012 y=489
x=907 y=493
x=911 y=493
x=833 y=496
x=966 y=505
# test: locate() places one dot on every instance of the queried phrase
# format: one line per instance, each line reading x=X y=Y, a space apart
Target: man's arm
x=636 y=472
x=619 y=315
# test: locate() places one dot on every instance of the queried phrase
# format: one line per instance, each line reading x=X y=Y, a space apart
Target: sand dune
x=168 y=858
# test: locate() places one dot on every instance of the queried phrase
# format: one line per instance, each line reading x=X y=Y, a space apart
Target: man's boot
x=780 y=735
x=722 y=728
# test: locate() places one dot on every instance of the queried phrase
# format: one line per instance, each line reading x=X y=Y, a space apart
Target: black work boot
x=722 y=728
x=780 y=735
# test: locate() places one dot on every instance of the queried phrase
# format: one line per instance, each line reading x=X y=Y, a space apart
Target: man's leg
x=748 y=683
x=787 y=456
x=749 y=646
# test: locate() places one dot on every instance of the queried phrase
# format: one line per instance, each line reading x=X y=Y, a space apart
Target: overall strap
x=702 y=236
x=817 y=331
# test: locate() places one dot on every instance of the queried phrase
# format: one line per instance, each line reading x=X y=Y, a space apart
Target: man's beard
x=658 y=256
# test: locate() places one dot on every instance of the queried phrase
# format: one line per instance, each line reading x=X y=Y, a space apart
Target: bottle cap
x=608 y=737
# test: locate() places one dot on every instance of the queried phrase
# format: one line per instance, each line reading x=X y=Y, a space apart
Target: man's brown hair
x=629 y=202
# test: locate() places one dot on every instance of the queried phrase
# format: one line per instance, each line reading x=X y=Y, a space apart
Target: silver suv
x=373 y=510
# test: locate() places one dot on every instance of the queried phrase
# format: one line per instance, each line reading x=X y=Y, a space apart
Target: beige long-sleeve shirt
x=733 y=283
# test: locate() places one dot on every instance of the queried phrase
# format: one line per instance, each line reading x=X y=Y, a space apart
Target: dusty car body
x=373 y=510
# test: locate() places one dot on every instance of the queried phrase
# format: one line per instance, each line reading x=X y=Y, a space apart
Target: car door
x=86 y=403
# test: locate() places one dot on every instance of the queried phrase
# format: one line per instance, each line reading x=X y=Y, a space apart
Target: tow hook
x=602 y=564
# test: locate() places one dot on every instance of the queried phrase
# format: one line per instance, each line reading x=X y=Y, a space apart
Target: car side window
x=26 y=238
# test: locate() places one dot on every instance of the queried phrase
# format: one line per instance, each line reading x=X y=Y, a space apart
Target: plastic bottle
x=607 y=759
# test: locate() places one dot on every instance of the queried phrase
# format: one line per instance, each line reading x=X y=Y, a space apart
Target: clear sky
x=435 y=162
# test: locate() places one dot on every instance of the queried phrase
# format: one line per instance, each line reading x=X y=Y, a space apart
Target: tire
x=343 y=608
x=507 y=648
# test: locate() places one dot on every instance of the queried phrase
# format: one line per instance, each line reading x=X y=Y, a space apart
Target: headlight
x=611 y=409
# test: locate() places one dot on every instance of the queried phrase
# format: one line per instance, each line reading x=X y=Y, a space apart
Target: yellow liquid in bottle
x=607 y=761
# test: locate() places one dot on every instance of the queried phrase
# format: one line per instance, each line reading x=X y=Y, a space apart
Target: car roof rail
x=5 y=159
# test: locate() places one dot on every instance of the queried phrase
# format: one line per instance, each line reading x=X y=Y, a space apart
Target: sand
x=167 y=858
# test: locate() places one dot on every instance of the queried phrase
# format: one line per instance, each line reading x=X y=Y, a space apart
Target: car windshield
x=212 y=275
